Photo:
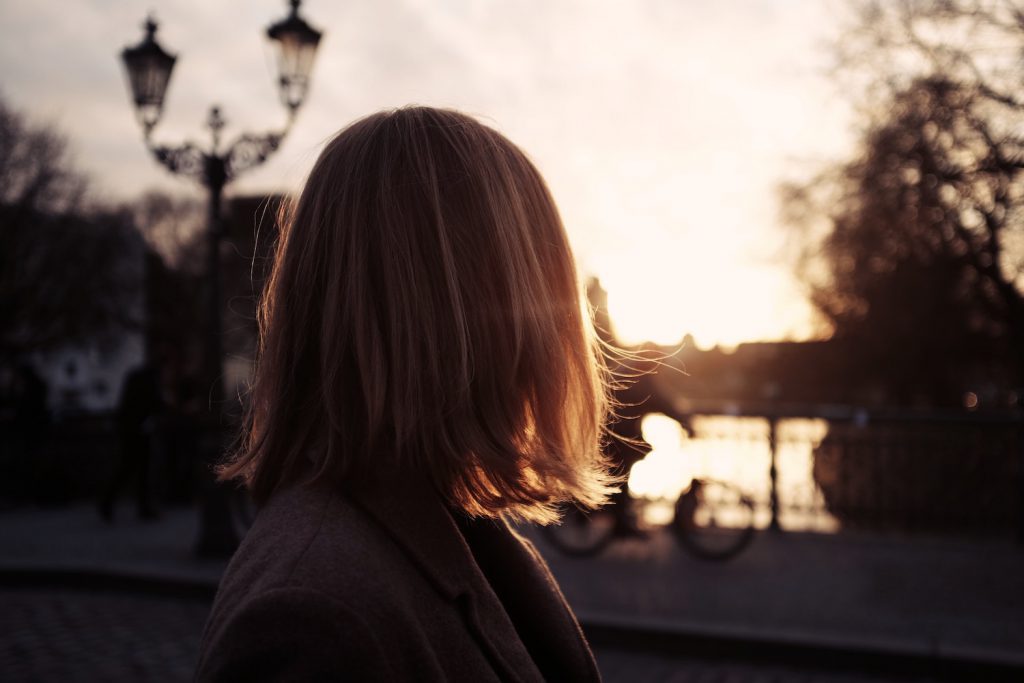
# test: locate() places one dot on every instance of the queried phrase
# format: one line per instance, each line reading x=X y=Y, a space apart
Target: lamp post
x=148 y=67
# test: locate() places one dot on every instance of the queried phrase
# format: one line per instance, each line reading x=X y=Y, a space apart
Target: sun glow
x=733 y=450
x=664 y=473
x=718 y=296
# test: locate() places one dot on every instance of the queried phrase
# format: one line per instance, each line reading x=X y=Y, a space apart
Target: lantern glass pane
x=149 y=79
x=295 y=62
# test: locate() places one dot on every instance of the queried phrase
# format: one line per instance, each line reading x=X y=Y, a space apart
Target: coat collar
x=415 y=517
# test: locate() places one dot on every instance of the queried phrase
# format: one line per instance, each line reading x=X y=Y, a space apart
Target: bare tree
x=64 y=274
x=36 y=175
x=172 y=227
x=888 y=44
x=921 y=261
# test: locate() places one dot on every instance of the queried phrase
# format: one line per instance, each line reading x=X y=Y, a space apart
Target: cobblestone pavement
x=632 y=667
x=63 y=635
x=924 y=596
x=954 y=597
x=66 y=635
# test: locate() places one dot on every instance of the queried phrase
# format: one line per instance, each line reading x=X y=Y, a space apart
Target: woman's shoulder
x=309 y=537
x=308 y=545
x=288 y=607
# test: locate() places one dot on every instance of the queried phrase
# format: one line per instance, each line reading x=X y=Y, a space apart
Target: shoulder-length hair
x=423 y=318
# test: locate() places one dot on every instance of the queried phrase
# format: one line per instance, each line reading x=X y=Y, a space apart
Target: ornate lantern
x=296 y=47
x=149 y=69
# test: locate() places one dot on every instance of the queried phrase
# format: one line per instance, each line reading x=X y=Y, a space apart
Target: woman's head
x=423 y=319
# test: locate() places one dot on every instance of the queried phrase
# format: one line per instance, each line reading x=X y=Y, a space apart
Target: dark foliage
x=920 y=266
x=63 y=272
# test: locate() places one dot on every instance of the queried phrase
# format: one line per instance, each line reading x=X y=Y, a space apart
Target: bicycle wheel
x=714 y=520
x=581 y=534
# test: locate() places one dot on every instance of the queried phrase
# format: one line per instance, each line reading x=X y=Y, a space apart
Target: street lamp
x=148 y=67
x=296 y=47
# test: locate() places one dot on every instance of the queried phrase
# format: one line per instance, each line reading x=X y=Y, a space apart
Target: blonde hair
x=423 y=318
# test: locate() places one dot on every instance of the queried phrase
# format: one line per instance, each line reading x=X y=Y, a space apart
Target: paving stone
x=923 y=592
x=67 y=635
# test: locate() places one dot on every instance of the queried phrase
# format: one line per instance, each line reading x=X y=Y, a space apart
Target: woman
x=426 y=374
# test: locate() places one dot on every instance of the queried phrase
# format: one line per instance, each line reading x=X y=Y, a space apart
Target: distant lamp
x=149 y=69
x=215 y=166
x=296 y=47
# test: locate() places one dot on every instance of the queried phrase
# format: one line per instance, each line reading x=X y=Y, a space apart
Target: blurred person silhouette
x=689 y=503
x=180 y=435
x=30 y=412
x=22 y=458
x=140 y=405
x=635 y=395
x=427 y=374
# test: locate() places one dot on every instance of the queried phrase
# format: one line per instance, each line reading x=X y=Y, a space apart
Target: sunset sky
x=662 y=126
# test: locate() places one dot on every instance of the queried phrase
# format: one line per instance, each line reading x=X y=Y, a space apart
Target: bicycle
x=713 y=520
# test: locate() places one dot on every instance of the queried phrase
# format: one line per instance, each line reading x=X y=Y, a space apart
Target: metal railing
x=831 y=468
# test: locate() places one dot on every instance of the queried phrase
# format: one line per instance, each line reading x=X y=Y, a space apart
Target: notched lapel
x=531 y=597
x=490 y=625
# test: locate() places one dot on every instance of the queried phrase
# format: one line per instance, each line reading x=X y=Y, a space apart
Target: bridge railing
x=828 y=468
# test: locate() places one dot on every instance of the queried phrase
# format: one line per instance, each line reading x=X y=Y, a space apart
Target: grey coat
x=387 y=585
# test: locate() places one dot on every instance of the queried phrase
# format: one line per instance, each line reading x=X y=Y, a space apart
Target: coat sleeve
x=292 y=634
